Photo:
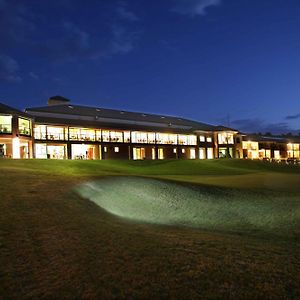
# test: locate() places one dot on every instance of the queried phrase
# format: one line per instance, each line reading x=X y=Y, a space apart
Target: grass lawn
x=56 y=244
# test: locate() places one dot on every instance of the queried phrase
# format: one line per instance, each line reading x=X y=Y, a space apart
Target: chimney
x=58 y=100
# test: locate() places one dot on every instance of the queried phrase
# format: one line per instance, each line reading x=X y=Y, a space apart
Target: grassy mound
x=206 y=207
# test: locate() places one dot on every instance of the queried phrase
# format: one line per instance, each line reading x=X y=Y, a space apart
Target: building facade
x=62 y=130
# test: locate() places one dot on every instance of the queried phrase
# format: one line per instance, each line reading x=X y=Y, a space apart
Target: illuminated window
x=55 y=133
x=116 y=136
x=151 y=138
x=209 y=139
x=210 y=153
x=24 y=126
x=182 y=150
x=187 y=139
x=174 y=150
x=83 y=151
x=40 y=132
x=160 y=153
x=202 y=153
x=117 y=149
x=153 y=153
x=138 y=153
x=105 y=136
x=126 y=136
x=81 y=134
x=225 y=138
x=5 y=124
x=105 y=149
x=202 y=138
x=98 y=135
x=192 y=153
x=165 y=138
x=276 y=154
x=139 y=137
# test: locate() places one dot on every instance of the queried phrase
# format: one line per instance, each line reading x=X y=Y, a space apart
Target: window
x=202 y=153
x=225 y=138
x=24 y=126
x=5 y=124
x=209 y=139
x=116 y=136
x=202 y=138
x=165 y=138
x=81 y=134
x=160 y=153
x=210 y=153
x=138 y=153
x=174 y=150
x=182 y=150
x=126 y=136
x=55 y=133
x=192 y=140
x=139 y=137
x=40 y=132
x=192 y=153
x=117 y=149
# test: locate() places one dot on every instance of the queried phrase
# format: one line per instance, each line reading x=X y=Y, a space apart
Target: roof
x=274 y=139
x=118 y=117
x=5 y=109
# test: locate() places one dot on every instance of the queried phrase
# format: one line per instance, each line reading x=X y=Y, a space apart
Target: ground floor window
x=83 y=151
x=153 y=153
x=139 y=153
x=202 y=153
x=225 y=152
x=276 y=154
x=192 y=153
x=44 y=151
x=160 y=153
x=210 y=153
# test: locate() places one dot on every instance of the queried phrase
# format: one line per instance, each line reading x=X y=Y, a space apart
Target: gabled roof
x=5 y=109
x=104 y=115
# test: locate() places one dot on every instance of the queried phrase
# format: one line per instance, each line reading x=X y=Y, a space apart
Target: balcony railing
x=81 y=137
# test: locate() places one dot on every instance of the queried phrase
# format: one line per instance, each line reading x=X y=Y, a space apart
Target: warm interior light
x=16 y=147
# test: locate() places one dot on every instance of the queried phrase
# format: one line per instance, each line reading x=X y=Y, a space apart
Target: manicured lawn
x=56 y=244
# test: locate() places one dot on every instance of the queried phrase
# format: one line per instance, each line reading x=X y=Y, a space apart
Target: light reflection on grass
x=211 y=208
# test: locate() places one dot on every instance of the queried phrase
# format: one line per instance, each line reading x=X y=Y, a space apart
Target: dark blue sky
x=231 y=62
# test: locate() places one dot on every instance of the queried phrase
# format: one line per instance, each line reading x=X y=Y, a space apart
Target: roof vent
x=58 y=100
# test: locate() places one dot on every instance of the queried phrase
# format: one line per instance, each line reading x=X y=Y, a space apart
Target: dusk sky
x=229 y=62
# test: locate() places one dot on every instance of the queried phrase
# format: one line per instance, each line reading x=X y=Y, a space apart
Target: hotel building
x=62 y=130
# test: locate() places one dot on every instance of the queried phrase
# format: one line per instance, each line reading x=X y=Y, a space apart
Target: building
x=62 y=130
x=16 y=133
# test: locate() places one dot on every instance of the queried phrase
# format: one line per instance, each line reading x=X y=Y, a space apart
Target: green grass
x=56 y=244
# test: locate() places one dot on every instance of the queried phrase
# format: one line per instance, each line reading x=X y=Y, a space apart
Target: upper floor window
x=165 y=138
x=225 y=138
x=202 y=138
x=5 y=124
x=24 y=126
x=81 y=134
